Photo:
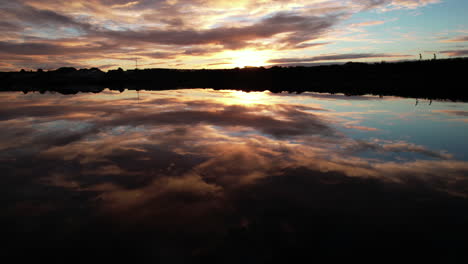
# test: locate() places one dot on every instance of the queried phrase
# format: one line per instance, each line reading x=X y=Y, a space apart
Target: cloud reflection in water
x=196 y=173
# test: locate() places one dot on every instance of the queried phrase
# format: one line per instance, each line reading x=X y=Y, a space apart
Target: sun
x=248 y=57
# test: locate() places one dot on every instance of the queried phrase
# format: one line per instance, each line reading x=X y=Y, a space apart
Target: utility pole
x=136 y=63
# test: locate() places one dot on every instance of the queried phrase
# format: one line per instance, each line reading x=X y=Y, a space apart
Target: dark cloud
x=457 y=39
x=175 y=22
x=198 y=51
x=51 y=49
x=218 y=63
x=396 y=147
x=160 y=55
x=33 y=16
x=8 y=26
x=349 y=56
x=370 y=4
x=309 y=45
x=452 y=112
x=455 y=53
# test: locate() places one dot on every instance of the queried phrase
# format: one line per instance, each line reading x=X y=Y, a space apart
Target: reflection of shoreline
x=422 y=79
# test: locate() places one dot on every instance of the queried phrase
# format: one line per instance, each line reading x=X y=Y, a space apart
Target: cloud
x=368 y=23
x=396 y=147
x=32 y=16
x=455 y=53
x=457 y=39
x=363 y=128
x=413 y=3
x=452 y=112
x=302 y=28
x=311 y=45
x=184 y=32
x=395 y=4
x=8 y=26
x=49 y=111
x=50 y=49
x=333 y=57
x=159 y=55
x=298 y=122
x=333 y=97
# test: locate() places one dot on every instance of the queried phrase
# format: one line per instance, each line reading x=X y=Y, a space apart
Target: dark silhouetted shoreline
x=431 y=79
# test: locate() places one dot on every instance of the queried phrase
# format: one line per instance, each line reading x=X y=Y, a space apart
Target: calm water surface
x=226 y=176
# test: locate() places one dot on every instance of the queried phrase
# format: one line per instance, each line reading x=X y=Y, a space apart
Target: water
x=201 y=175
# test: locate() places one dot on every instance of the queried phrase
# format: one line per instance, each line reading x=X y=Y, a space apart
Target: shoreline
x=435 y=79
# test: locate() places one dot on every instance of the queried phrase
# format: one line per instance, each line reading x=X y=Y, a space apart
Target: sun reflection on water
x=246 y=98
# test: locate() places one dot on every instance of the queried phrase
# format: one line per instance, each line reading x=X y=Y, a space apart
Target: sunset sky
x=108 y=34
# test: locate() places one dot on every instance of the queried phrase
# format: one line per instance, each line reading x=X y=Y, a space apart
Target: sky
x=194 y=34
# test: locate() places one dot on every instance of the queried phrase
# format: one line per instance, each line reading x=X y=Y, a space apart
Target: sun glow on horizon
x=248 y=57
